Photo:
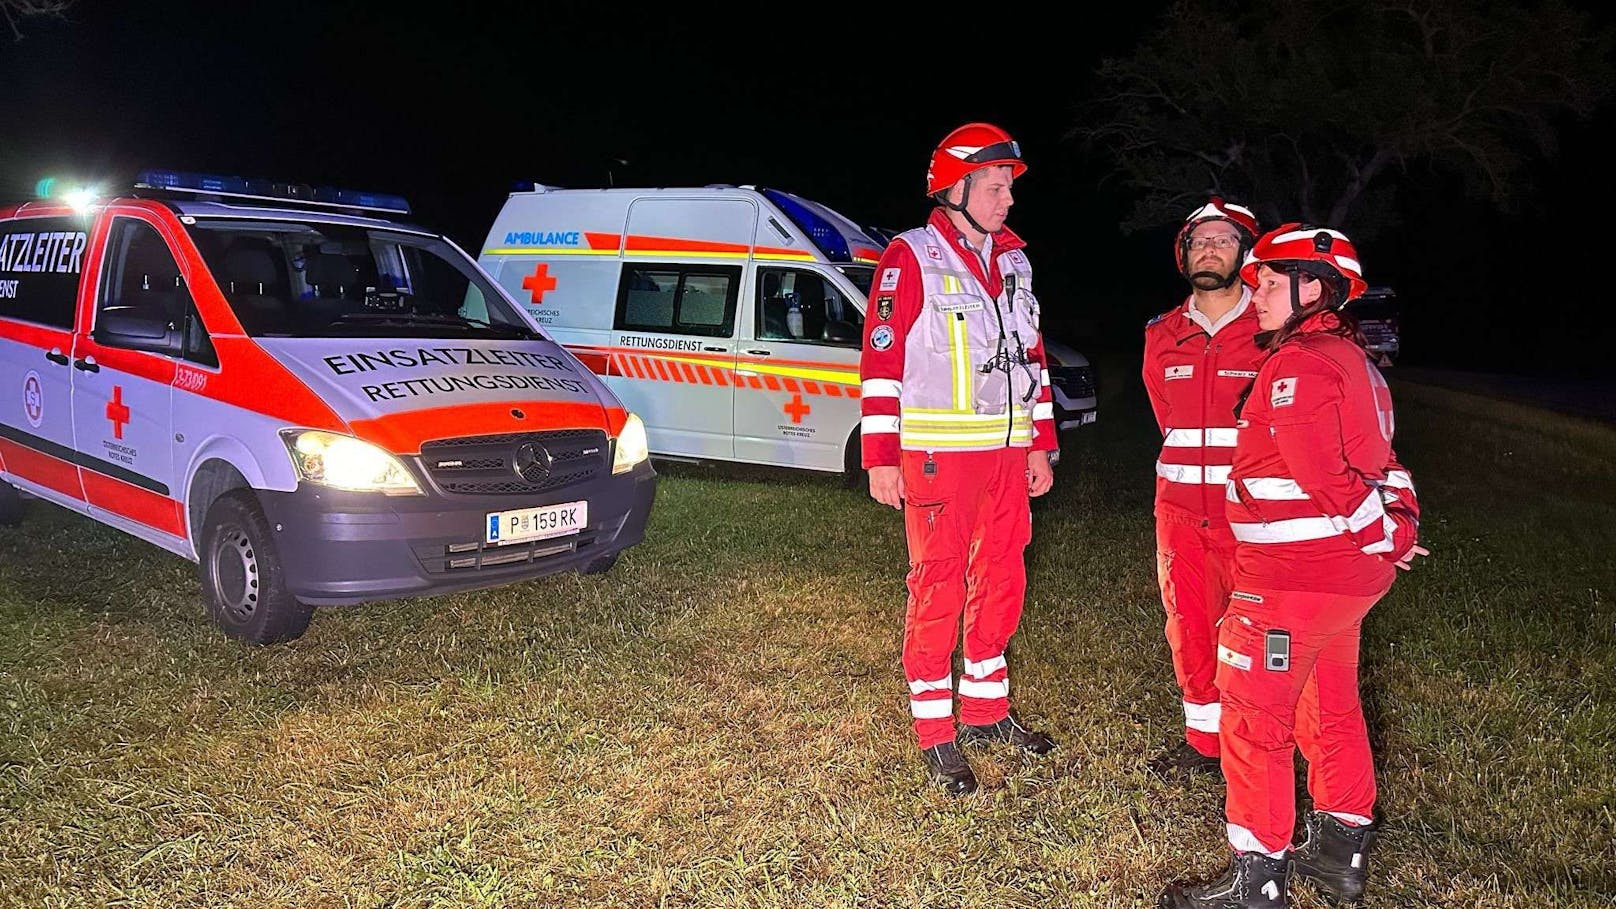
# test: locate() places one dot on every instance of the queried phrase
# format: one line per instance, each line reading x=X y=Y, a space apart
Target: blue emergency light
x=269 y=190
x=823 y=234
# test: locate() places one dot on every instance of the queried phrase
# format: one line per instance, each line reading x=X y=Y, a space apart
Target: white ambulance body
x=728 y=317
x=317 y=403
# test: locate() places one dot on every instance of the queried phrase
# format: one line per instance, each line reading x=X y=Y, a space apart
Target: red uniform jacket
x=1195 y=380
x=882 y=370
x=1316 y=498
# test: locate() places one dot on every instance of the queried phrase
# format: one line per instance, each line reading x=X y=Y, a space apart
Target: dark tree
x=1319 y=110
x=15 y=11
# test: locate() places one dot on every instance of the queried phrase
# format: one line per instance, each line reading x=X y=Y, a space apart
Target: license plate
x=525 y=524
x=1087 y=418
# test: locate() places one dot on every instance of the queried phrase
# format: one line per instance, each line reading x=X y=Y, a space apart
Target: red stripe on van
x=134 y=503
x=41 y=468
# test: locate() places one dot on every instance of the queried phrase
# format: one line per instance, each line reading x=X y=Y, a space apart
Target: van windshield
x=312 y=279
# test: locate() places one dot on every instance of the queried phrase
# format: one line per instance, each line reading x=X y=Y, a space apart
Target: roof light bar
x=267 y=190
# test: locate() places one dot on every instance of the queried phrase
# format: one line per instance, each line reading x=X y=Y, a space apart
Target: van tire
x=600 y=565
x=11 y=505
x=854 y=476
x=242 y=578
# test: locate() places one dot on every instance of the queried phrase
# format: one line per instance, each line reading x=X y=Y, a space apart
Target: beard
x=1209 y=280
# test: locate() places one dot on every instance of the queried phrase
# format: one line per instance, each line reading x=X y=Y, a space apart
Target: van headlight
x=631 y=446
x=344 y=462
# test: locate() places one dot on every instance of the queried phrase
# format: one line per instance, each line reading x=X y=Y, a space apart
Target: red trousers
x=1313 y=704
x=1195 y=568
x=967 y=520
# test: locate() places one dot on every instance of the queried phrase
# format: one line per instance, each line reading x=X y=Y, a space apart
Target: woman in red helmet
x=958 y=422
x=1323 y=516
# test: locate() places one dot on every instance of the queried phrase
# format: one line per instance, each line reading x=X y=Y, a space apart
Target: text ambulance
x=317 y=403
x=729 y=317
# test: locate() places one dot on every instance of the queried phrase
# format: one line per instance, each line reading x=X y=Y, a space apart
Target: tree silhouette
x=17 y=10
x=1318 y=110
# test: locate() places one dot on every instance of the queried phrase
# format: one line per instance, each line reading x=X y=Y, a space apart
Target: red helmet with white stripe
x=1322 y=252
x=1216 y=209
x=970 y=148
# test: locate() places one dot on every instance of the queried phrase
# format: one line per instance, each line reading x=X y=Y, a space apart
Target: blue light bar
x=269 y=190
x=824 y=235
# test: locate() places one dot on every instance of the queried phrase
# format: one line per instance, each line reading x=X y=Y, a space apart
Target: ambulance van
x=728 y=317
x=316 y=401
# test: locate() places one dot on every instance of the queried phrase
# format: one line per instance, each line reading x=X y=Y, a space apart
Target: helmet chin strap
x=965 y=199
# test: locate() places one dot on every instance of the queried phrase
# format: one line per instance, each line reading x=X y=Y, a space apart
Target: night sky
x=450 y=106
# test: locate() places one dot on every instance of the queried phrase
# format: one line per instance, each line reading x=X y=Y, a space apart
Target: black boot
x=1009 y=730
x=1253 y=881
x=948 y=767
x=1184 y=762
x=1335 y=856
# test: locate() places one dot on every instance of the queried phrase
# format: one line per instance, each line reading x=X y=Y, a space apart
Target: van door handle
x=87 y=364
x=760 y=353
x=715 y=349
x=56 y=356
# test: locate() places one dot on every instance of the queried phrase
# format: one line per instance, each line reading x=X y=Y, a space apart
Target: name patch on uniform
x=889 y=278
x=1238 y=373
x=1237 y=660
x=881 y=337
x=883 y=307
x=1248 y=597
x=1282 y=392
x=959 y=305
x=1181 y=372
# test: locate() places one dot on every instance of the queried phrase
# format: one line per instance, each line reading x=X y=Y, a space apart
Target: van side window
x=40 y=263
x=826 y=316
x=141 y=277
x=678 y=299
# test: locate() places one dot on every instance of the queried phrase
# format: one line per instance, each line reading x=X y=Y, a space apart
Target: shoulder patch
x=1158 y=318
x=881 y=337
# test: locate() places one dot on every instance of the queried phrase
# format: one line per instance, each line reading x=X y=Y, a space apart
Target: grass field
x=722 y=720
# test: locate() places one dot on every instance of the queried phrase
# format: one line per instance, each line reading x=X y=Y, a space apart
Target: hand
x=1040 y=476
x=886 y=486
x=1407 y=564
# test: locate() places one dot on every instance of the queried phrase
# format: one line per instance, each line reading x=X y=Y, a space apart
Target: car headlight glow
x=632 y=447
x=344 y=462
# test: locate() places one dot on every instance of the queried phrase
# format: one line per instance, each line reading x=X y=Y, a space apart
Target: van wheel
x=242 y=577
x=11 y=505
x=600 y=565
x=854 y=476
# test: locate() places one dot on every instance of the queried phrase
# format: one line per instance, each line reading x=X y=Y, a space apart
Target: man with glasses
x=1200 y=359
x=957 y=429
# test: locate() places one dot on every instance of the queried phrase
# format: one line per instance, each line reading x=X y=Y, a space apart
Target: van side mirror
x=124 y=326
x=839 y=331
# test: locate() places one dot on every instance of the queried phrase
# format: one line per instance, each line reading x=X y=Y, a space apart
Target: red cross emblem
x=117 y=411
x=539 y=282
x=1282 y=387
x=797 y=409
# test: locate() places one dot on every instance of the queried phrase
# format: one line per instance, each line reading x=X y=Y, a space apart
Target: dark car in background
x=1379 y=318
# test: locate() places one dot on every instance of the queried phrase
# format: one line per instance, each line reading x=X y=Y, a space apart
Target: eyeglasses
x=1222 y=241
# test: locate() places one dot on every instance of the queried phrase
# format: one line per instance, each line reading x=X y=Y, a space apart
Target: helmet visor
x=998 y=151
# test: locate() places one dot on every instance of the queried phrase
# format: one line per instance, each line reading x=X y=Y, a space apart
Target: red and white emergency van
x=316 y=401
x=728 y=317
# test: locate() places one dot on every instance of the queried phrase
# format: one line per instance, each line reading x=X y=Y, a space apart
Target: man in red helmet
x=1323 y=516
x=957 y=429
x=1200 y=358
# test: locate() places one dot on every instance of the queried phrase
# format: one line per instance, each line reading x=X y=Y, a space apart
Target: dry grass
x=721 y=721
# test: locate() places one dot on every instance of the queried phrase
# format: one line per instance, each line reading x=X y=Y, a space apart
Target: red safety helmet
x=970 y=148
x=1318 y=251
x=1216 y=209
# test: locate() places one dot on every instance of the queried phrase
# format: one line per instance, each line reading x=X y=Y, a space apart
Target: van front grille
x=516 y=464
